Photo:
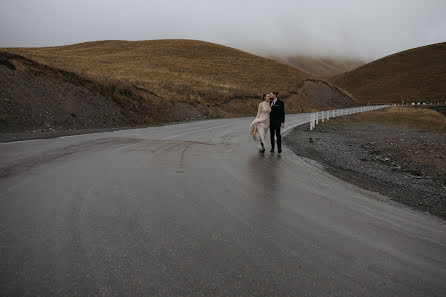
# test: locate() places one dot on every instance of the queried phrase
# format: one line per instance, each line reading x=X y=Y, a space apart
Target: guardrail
x=325 y=115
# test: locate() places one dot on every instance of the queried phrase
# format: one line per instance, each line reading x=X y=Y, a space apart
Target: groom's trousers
x=275 y=131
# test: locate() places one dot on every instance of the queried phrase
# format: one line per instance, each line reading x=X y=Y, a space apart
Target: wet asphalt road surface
x=194 y=210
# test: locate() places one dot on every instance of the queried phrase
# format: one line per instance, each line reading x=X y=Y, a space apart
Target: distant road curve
x=194 y=210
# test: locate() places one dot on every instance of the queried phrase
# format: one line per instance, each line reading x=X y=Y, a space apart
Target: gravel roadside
x=406 y=165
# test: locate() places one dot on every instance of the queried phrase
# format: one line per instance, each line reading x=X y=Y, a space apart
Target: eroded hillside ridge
x=324 y=95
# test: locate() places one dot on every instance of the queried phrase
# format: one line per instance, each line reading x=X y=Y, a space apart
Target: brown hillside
x=414 y=74
x=176 y=69
x=124 y=84
x=321 y=66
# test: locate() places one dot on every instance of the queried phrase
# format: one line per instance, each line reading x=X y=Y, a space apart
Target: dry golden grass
x=414 y=74
x=181 y=70
x=420 y=119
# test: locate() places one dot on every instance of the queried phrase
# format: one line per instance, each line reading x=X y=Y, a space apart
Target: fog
x=351 y=28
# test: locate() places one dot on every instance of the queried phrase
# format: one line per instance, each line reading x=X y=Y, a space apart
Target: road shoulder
x=402 y=164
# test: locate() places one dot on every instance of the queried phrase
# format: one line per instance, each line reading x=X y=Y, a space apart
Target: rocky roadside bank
x=406 y=165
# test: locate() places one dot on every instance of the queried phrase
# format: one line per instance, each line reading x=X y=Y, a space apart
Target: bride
x=260 y=126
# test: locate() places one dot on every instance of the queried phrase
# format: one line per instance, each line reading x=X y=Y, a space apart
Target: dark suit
x=276 y=117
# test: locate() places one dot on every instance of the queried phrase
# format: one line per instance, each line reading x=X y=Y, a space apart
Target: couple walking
x=270 y=115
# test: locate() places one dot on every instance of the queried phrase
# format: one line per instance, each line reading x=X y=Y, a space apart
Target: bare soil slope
x=324 y=95
x=36 y=97
x=415 y=74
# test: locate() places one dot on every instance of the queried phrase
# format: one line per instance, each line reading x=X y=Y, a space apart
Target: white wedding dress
x=260 y=126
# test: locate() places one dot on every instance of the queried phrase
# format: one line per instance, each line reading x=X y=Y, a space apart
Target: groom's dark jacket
x=277 y=115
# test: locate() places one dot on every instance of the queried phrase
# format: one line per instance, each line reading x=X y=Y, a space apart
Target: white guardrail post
x=334 y=113
x=312 y=121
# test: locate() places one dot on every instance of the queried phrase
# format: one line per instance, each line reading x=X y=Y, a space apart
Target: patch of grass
x=420 y=119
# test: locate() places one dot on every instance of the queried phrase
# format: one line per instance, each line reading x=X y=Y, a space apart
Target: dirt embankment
x=41 y=101
x=401 y=161
x=324 y=95
x=35 y=100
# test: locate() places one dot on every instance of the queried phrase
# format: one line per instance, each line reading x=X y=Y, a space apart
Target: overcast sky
x=357 y=28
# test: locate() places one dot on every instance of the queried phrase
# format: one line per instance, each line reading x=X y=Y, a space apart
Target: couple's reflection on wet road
x=263 y=169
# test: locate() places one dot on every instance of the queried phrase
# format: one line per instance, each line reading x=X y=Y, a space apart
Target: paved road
x=193 y=210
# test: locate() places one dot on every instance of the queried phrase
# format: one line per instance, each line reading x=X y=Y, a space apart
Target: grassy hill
x=321 y=66
x=194 y=72
x=110 y=84
x=414 y=74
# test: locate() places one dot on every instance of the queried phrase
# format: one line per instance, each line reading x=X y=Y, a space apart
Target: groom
x=276 y=121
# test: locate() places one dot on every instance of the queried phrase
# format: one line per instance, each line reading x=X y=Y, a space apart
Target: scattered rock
x=385 y=159
x=396 y=168
x=413 y=172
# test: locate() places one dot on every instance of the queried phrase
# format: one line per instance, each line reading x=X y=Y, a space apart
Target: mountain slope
x=414 y=74
x=176 y=69
x=321 y=66
x=112 y=84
